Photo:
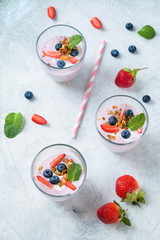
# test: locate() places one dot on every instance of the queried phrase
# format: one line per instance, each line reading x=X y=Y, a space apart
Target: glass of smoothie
x=59 y=171
x=55 y=54
x=112 y=121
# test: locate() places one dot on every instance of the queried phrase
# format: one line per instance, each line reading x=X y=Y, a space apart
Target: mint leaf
x=147 y=32
x=126 y=221
x=13 y=124
x=74 y=172
x=136 y=122
x=74 y=40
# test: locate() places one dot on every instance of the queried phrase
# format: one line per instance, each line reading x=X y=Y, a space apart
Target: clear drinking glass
x=58 y=149
x=115 y=100
x=60 y=74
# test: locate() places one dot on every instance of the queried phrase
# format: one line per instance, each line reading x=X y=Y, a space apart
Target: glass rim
x=60 y=25
x=82 y=158
x=122 y=144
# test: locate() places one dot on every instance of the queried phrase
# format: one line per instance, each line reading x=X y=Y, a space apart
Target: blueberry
x=146 y=98
x=61 y=167
x=125 y=134
x=58 y=46
x=74 y=52
x=132 y=48
x=28 y=95
x=129 y=113
x=115 y=53
x=112 y=121
x=54 y=180
x=129 y=26
x=47 y=173
x=60 y=63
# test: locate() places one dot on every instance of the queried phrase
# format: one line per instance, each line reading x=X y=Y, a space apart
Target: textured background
x=24 y=212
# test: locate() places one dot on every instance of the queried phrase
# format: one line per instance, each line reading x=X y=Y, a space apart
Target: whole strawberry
x=112 y=213
x=127 y=188
x=126 y=77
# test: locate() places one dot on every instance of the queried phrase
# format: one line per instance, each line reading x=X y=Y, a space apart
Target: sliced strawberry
x=73 y=60
x=123 y=111
x=38 y=119
x=96 y=22
x=139 y=131
x=45 y=182
x=57 y=160
x=51 y=12
x=52 y=54
x=68 y=184
x=110 y=129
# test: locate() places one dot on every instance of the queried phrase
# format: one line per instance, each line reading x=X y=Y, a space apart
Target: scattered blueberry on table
x=129 y=26
x=47 y=173
x=60 y=63
x=146 y=98
x=115 y=53
x=112 y=120
x=125 y=134
x=74 y=52
x=129 y=113
x=58 y=46
x=28 y=95
x=132 y=49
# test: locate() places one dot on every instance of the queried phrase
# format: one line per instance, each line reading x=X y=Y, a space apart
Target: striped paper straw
x=88 y=91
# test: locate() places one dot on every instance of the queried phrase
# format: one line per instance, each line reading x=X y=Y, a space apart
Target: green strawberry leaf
x=74 y=172
x=147 y=32
x=141 y=193
x=136 y=122
x=126 y=221
x=74 y=40
x=129 y=197
x=13 y=124
x=141 y=199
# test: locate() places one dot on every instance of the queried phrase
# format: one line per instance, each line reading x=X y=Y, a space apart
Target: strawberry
x=68 y=184
x=51 y=12
x=38 y=119
x=139 y=131
x=73 y=60
x=123 y=110
x=127 y=188
x=126 y=77
x=109 y=129
x=96 y=22
x=44 y=181
x=52 y=54
x=57 y=160
x=112 y=213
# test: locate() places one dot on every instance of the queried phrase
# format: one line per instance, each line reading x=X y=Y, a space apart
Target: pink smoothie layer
x=56 y=190
x=119 y=139
x=50 y=46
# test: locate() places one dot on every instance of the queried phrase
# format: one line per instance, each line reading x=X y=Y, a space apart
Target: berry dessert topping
x=73 y=60
x=47 y=173
x=38 y=119
x=126 y=77
x=112 y=120
x=125 y=134
x=51 y=12
x=127 y=188
x=44 y=181
x=52 y=54
x=132 y=49
x=110 y=129
x=28 y=95
x=96 y=22
x=112 y=213
x=74 y=52
x=68 y=184
x=129 y=26
x=58 y=46
x=146 y=98
x=54 y=180
x=129 y=113
x=61 y=167
x=56 y=161
x=115 y=53
x=60 y=63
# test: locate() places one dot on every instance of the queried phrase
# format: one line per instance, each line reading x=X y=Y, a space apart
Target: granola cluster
x=65 y=50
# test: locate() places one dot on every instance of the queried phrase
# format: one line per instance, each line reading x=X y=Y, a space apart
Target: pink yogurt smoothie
x=56 y=190
x=50 y=46
x=104 y=117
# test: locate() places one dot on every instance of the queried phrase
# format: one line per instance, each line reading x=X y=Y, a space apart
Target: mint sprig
x=13 y=124
x=74 y=172
x=147 y=32
x=74 y=40
x=136 y=122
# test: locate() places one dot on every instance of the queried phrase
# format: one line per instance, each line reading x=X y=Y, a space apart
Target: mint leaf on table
x=147 y=32
x=74 y=40
x=74 y=172
x=136 y=122
x=13 y=124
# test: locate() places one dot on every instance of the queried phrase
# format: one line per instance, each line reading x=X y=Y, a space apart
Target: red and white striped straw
x=88 y=91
